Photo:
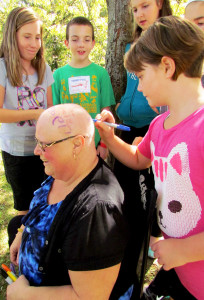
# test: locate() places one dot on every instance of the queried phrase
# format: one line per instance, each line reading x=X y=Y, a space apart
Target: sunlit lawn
x=6 y=213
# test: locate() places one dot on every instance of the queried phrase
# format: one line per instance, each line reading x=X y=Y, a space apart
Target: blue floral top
x=39 y=218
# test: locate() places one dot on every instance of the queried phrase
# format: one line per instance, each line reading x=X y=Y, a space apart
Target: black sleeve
x=97 y=238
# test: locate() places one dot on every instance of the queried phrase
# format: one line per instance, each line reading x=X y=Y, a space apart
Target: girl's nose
x=34 y=43
x=139 y=13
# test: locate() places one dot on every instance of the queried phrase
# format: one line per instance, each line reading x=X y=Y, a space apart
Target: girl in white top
x=25 y=91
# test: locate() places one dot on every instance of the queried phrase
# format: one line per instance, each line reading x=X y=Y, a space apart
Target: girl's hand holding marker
x=117 y=126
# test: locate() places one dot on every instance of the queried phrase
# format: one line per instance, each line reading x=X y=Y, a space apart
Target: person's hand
x=16 y=290
x=106 y=116
x=14 y=248
x=102 y=152
x=106 y=132
x=37 y=113
x=137 y=140
x=169 y=253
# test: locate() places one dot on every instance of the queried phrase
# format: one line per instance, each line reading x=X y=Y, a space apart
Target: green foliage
x=178 y=7
x=55 y=15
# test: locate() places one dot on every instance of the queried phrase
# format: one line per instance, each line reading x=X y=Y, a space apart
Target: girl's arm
x=11 y=116
x=127 y=154
x=173 y=253
x=49 y=96
x=102 y=151
x=85 y=285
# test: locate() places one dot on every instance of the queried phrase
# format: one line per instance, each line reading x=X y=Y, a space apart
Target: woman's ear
x=78 y=143
x=169 y=66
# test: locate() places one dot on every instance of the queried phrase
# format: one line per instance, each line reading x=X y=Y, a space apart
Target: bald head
x=194 y=12
x=65 y=135
x=66 y=120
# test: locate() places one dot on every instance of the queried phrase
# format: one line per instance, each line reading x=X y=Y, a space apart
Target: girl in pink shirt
x=168 y=61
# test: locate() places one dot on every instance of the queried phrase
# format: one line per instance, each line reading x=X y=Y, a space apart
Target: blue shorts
x=25 y=175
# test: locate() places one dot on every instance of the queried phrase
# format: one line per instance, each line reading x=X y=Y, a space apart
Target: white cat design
x=178 y=206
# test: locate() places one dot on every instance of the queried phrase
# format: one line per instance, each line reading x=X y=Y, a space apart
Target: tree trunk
x=120 y=26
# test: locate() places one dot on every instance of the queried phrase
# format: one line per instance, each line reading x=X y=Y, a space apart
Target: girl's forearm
x=13 y=116
x=193 y=247
x=127 y=154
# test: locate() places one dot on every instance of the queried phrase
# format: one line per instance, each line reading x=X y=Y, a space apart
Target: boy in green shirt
x=82 y=81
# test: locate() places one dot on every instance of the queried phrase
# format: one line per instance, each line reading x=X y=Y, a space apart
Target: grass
x=6 y=213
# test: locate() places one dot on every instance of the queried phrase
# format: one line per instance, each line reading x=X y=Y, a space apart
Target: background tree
x=120 y=30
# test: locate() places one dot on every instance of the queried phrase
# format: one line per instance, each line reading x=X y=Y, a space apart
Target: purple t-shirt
x=177 y=156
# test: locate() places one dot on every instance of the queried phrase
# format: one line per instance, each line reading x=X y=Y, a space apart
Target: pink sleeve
x=144 y=146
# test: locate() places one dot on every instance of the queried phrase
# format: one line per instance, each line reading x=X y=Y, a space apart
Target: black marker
x=6 y=277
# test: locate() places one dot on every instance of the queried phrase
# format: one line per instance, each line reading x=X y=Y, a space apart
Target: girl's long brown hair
x=164 y=11
x=17 y=18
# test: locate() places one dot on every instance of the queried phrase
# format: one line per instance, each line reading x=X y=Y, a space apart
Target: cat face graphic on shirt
x=178 y=206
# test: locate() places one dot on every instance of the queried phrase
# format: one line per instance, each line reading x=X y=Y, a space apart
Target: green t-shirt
x=89 y=87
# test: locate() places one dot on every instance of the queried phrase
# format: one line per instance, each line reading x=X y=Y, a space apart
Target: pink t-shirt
x=177 y=156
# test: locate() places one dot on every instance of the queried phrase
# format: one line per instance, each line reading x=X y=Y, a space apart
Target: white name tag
x=79 y=84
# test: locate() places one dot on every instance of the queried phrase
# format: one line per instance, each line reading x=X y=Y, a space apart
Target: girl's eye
x=145 y=6
x=134 y=10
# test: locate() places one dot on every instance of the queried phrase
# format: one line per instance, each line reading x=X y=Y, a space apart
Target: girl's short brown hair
x=170 y=36
x=79 y=21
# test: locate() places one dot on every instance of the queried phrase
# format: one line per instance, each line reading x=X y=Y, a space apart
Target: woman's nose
x=37 y=150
